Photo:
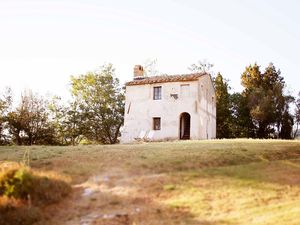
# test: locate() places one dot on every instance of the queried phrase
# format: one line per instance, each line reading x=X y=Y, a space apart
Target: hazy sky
x=43 y=42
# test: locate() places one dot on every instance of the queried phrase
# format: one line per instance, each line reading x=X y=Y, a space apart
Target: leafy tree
x=241 y=125
x=69 y=121
x=297 y=115
x=102 y=100
x=286 y=126
x=223 y=107
x=266 y=99
x=29 y=123
x=5 y=104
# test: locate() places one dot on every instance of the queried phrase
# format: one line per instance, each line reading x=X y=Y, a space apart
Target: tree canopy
x=268 y=104
x=223 y=107
x=102 y=101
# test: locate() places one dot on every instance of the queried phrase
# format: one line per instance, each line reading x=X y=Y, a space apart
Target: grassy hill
x=188 y=182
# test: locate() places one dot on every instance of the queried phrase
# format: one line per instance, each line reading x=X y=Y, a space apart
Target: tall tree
x=5 y=104
x=241 y=125
x=102 y=99
x=223 y=107
x=266 y=99
x=286 y=126
x=297 y=115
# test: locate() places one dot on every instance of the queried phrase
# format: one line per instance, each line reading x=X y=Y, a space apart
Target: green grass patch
x=169 y=187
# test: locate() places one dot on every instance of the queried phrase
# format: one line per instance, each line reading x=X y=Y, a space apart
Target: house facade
x=169 y=107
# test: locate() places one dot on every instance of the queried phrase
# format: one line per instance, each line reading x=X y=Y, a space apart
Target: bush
x=16 y=183
x=23 y=183
x=23 y=191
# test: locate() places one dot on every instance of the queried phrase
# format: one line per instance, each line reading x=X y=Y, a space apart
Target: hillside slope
x=187 y=182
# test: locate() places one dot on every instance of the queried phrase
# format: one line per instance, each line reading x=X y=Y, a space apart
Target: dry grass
x=15 y=212
x=23 y=192
x=188 y=182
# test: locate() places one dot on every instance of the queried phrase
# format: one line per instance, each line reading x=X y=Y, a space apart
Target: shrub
x=23 y=183
x=23 y=191
x=16 y=183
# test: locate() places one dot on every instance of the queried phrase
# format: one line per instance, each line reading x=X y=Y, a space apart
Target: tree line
x=261 y=110
x=94 y=114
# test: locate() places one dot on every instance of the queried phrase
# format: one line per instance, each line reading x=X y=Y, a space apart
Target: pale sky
x=43 y=42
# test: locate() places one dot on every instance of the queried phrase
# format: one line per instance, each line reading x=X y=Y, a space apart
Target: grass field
x=222 y=182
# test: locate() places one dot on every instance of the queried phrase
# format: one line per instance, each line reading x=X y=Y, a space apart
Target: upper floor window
x=157 y=93
x=184 y=90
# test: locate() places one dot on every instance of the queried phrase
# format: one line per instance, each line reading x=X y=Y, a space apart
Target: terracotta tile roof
x=165 y=79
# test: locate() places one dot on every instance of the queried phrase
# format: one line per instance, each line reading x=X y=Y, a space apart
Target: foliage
x=286 y=126
x=223 y=107
x=5 y=104
x=266 y=100
x=241 y=125
x=68 y=121
x=95 y=112
x=29 y=122
x=297 y=115
x=102 y=101
x=22 y=183
x=16 y=183
x=23 y=191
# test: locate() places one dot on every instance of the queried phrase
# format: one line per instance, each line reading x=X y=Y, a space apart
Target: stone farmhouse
x=169 y=107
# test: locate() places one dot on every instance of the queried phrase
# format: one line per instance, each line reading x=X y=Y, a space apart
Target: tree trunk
x=117 y=133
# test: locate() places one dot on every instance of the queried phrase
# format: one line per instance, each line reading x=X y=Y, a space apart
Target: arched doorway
x=184 y=126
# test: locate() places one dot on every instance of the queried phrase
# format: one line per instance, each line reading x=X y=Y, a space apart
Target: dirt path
x=116 y=197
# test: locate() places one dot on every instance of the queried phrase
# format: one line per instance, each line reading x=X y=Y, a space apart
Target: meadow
x=217 y=182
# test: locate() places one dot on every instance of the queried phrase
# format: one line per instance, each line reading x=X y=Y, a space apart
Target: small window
x=184 y=90
x=156 y=123
x=157 y=93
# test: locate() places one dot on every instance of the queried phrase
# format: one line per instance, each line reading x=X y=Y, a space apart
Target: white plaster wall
x=140 y=108
x=207 y=108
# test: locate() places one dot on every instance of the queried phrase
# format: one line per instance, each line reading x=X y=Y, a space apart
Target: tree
x=202 y=66
x=102 y=100
x=69 y=121
x=223 y=107
x=297 y=115
x=266 y=99
x=29 y=123
x=5 y=104
x=286 y=126
x=241 y=125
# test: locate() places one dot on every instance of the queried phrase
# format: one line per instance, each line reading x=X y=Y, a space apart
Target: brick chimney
x=138 y=72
